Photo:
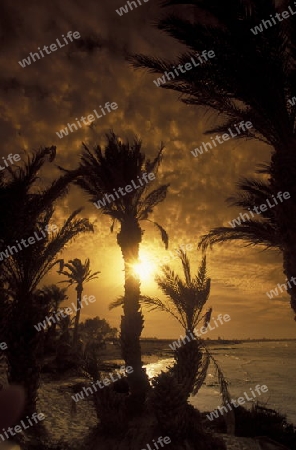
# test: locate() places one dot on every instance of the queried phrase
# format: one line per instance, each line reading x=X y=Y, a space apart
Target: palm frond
x=221 y=83
x=226 y=398
x=164 y=235
x=201 y=376
x=186 y=266
x=101 y=172
x=252 y=232
x=152 y=199
x=118 y=302
x=156 y=304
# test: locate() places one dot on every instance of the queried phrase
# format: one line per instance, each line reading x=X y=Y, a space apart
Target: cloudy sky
x=40 y=99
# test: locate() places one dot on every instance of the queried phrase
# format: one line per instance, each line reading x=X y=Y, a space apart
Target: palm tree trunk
x=79 y=290
x=188 y=363
x=283 y=176
x=289 y=257
x=24 y=370
x=23 y=342
x=132 y=322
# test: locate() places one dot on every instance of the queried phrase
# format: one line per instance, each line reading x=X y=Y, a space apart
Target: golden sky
x=40 y=99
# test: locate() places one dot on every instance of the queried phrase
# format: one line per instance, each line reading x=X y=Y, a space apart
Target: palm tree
x=55 y=295
x=50 y=299
x=99 y=175
x=77 y=273
x=19 y=202
x=22 y=273
x=21 y=205
x=23 y=270
x=184 y=299
x=224 y=84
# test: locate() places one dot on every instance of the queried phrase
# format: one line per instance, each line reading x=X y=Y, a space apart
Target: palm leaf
x=118 y=302
x=164 y=235
x=252 y=232
x=226 y=398
x=201 y=376
x=156 y=304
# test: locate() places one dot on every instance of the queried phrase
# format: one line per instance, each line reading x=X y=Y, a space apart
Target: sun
x=144 y=269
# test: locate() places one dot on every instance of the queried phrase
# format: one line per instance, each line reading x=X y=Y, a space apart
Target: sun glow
x=144 y=269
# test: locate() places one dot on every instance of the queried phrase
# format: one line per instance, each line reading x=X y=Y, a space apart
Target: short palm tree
x=50 y=299
x=100 y=173
x=224 y=84
x=185 y=301
x=54 y=296
x=78 y=273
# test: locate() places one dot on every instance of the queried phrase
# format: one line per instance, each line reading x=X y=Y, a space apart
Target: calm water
x=246 y=365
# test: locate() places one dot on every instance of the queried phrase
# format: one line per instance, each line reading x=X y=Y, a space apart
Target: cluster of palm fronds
x=224 y=85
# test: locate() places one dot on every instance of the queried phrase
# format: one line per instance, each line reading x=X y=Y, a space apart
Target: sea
x=245 y=365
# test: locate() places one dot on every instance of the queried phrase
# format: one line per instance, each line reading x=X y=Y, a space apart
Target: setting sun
x=144 y=269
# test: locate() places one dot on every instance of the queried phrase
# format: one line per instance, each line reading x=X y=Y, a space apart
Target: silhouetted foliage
x=224 y=84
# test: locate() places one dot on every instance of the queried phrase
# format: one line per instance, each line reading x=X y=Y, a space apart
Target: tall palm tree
x=21 y=274
x=22 y=196
x=78 y=273
x=100 y=173
x=31 y=205
x=224 y=84
x=262 y=229
x=22 y=200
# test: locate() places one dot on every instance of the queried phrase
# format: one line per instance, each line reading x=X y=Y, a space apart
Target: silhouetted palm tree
x=99 y=175
x=19 y=202
x=185 y=301
x=22 y=273
x=54 y=296
x=78 y=273
x=224 y=84
x=50 y=299
x=21 y=205
x=23 y=268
